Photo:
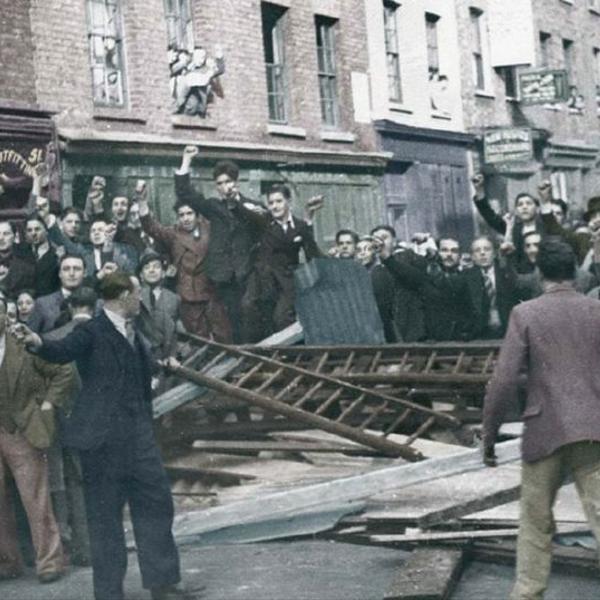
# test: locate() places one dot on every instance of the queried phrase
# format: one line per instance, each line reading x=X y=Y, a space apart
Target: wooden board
x=348 y=489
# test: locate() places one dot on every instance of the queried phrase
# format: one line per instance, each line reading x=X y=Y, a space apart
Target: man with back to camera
x=111 y=426
x=555 y=341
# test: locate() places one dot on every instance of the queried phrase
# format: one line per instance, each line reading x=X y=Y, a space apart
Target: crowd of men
x=224 y=270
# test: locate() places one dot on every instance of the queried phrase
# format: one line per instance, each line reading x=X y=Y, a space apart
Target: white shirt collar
x=289 y=222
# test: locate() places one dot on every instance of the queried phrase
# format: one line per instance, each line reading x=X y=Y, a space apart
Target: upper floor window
x=390 y=20
x=433 y=51
x=273 y=24
x=106 y=52
x=476 y=17
x=180 y=29
x=326 y=56
x=545 y=41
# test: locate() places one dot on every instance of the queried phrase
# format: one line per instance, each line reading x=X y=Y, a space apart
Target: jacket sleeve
x=161 y=233
x=502 y=389
x=407 y=274
x=309 y=244
x=492 y=218
x=186 y=193
x=60 y=381
x=75 y=345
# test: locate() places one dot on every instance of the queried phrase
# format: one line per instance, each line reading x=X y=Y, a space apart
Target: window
x=594 y=5
x=509 y=76
x=273 y=23
x=390 y=21
x=545 y=40
x=568 y=59
x=106 y=52
x=180 y=30
x=326 y=29
x=596 y=56
x=433 y=52
x=476 y=16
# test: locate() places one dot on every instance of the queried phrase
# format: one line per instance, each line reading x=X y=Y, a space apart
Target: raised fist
x=190 y=152
x=545 y=191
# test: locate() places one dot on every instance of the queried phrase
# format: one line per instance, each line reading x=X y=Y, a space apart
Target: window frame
x=392 y=51
x=476 y=16
x=278 y=101
x=326 y=30
x=97 y=38
x=183 y=38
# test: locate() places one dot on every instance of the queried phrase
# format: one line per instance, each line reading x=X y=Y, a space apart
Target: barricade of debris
x=358 y=444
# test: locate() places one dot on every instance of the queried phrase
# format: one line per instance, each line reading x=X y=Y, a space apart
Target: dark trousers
x=230 y=293
x=129 y=470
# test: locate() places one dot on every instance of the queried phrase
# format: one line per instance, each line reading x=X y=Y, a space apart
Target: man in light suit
x=160 y=307
x=30 y=389
x=111 y=426
x=555 y=341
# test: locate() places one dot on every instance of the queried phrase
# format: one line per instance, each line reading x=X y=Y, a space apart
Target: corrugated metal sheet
x=335 y=303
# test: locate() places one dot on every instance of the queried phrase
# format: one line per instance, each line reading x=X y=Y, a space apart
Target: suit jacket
x=46 y=311
x=233 y=236
x=446 y=301
x=21 y=275
x=123 y=256
x=506 y=298
x=31 y=381
x=159 y=324
x=496 y=222
x=46 y=273
x=188 y=254
x=101 y=354
x=555 y=340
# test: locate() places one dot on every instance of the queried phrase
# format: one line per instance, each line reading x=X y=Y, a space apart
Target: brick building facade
x=565 y=34
x=116 y=119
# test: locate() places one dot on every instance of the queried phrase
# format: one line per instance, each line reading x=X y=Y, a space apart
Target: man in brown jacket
x=555 y=341
x=29 y=390
x=187 y=243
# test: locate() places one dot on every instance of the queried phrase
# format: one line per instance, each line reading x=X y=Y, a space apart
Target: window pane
x=391 y=51
x=273 y=21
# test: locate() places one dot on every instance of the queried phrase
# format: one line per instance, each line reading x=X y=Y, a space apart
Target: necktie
x=152 y=298
x=490 y=290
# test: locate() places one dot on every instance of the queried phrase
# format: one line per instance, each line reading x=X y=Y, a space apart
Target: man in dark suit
x=554 y=340
x=111 y=426
x=233 y=237
x=268 y=302
x=49 y=309
x=443 y=289
x=491 y=291
x=43 y=255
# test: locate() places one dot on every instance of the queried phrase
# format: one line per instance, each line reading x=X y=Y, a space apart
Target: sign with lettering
x=544 y=86
x=507 y=145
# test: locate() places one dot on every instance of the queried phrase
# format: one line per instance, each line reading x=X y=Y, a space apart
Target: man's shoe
x=50 y=577
x=174 y=592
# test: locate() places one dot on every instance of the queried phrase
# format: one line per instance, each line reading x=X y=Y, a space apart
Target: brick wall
x=16 y=53
x=63 y=78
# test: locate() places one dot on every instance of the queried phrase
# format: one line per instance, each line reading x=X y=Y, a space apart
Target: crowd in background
x=225 y=271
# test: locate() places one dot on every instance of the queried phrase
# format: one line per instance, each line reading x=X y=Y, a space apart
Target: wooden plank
x=428 y=574
x=347 y=489
x=246 y=447
x=187 y=392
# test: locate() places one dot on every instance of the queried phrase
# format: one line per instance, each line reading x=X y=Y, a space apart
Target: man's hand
x=380 y=248
x=489 y=456
x=170 y=363
x=545 y=192
x=507 y=248
x=189 y=153
x=46 y=405
x=111 y=231
x=333 y=252
x=24 y=335
x=171 y=270
x=107 y=269
x=313 y=205
x=3 y=272
x=478 y=181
